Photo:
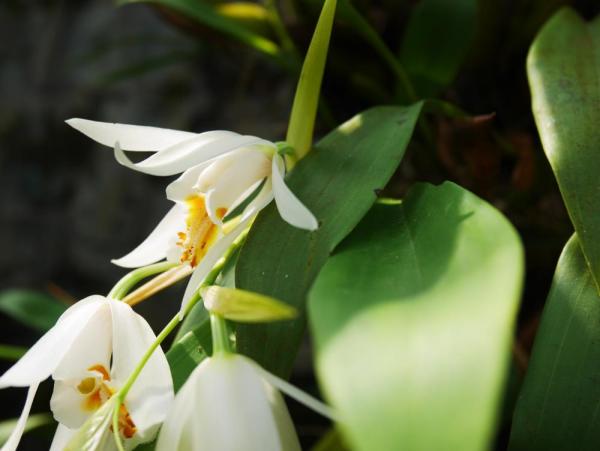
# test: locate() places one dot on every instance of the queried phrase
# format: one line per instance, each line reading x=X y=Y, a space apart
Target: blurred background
x=67 y=208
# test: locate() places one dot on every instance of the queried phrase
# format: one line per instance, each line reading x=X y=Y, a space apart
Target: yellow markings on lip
x=97 y=393
x=201 y=232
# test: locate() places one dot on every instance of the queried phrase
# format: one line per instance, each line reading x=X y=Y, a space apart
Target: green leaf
x=559 y=402
x=306 y=100
x=206 y=15
x=9 y=352
x=413 y=320
x=564 y=75
x=34 y=421
x=337 y=181
x=245 y=306
x=33 y=308
x=189 y=350
x=437 y=39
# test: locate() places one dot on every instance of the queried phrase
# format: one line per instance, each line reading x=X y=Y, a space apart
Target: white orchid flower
x=221 y=172
x=90 y=352
x=230 y=403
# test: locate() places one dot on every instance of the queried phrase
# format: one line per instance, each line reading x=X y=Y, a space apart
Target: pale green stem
x=220 y=335
x=210 y=279
x=131 y=279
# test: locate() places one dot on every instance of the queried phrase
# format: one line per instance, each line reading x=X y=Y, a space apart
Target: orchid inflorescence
x=112 y=383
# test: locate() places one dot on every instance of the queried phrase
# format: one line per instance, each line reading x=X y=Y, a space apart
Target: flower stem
x=130 y=280
x=209 y=280
x=220 y=334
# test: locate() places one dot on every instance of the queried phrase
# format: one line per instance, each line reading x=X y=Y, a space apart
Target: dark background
x=67 y=208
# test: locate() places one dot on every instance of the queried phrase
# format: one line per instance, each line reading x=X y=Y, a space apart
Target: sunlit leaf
x=558 y=405
x=33 y=308
x=563 y=67
x=189 y=350
x=337 y=181
x=413 y=320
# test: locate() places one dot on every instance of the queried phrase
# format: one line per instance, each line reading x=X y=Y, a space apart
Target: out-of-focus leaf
x=331 y=441
x=9 y=352
x=337 y=181
x=306 y=100
x=252 y=16
x=33 y=308
x=563 y=67
x=207 y=15
x=413 y=321
x=437 y=39
x=558 y=405
x=34 y=421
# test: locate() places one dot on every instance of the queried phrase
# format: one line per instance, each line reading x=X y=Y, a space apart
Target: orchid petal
x=232 y=410
x=179 y=190
x=156 y=245
x=294 y=392
x=136 y=138
x=291 y=209
x=180 y=157
x=62 y=437
x=150 y=398
x=66 y=404
x=263 y=199
x=42 y=359
x=15 y=436
x=209 y=260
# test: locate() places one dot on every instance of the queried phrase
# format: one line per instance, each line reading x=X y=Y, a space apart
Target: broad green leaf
x=331 y=441
x=34 y=421
x=413 y=320
x=245 y=306
x=337 y=181
x=563 y=67
x=306 y=100
x=207 y=15
x=33 y=308
x=559 y=403
x=437 y=39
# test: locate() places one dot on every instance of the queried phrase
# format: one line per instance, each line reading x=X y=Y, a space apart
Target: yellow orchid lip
x=200 y=233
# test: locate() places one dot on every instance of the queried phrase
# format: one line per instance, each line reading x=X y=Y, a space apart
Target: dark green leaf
x=33 y=308
x=560 y=400
x=564 y=74
x=207 y=15
x=338 y=182
x=413 y=320
x=437 y=39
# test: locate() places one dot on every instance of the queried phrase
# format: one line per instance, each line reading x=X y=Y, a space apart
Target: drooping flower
x=90 y=352
x=230 y=403
x=224 y=174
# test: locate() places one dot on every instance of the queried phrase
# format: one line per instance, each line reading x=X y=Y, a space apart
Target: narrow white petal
x=155 y=247
x=131 y=137
x=180 y=157
x=209 y=260
x=151 y=396
x=263 y=199
x=62 y=436
x=40 y=361
x=183 y=187
x=15 y=436
x=290 y=208
x=294 y=392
